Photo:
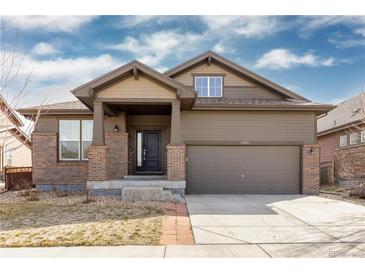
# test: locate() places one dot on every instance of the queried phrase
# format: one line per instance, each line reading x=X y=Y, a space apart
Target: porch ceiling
x=145 y=109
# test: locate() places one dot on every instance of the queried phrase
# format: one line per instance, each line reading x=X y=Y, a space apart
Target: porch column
x=98 y=125
x=98 y=166
x=175 y=123
x=176 y=150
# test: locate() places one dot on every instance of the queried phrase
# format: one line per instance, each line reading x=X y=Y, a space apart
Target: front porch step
x=134 y=194
x=145 y=177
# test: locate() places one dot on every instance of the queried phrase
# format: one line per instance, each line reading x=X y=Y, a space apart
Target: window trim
x=341 y=137
x=209 y=76
x=362 y=136
x=80 y=142
x=357 y=138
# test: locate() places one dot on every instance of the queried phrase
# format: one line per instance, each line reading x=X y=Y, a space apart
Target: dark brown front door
x=149 y=151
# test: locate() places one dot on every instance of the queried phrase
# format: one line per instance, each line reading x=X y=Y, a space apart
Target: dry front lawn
x=69 y=221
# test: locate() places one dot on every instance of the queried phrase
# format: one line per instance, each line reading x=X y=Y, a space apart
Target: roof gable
x=209 y=57
x=133 y=68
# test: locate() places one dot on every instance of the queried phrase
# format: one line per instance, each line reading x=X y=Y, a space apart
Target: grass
x=63 y=221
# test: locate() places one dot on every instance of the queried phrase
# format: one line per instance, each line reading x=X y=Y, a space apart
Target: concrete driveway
x=279 y=225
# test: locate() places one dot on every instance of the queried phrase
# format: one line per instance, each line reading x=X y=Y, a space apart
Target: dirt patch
x=69 y=221
x=340 y=193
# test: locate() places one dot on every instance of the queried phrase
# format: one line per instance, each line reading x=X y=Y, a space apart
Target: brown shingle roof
x=71 y=106
x=345 y=113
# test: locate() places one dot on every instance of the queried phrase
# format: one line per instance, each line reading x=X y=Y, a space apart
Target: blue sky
x=320 y=57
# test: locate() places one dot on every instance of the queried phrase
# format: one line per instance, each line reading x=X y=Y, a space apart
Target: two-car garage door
x=243 y=169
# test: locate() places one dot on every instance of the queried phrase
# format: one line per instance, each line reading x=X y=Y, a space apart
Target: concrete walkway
x=314 y=250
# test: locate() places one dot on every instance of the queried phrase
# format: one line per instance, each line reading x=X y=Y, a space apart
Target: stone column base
x=310 y=169
x=98 y=163
x=176 y=162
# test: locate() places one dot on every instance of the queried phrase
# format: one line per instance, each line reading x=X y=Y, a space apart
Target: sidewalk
x=173 y=251
x=311 y=250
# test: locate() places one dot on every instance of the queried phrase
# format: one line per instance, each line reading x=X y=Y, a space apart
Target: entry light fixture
x=116 y=128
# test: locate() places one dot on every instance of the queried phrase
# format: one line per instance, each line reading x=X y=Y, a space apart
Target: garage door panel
x=243 y=169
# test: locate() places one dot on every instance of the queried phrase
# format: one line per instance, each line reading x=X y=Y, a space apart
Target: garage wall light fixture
x=116 y=128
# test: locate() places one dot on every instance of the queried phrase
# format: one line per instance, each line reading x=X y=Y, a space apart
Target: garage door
x=243 y=169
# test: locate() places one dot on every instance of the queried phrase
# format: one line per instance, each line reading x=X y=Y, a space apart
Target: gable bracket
x=209 y=60
x=135 y=73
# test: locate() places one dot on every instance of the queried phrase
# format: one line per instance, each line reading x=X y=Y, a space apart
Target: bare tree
x=14 y=79
x=345 y=163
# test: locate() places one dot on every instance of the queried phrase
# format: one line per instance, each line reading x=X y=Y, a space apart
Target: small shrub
x=59 y=193
x=26 y=192
x=358 y=191
x=34 y=196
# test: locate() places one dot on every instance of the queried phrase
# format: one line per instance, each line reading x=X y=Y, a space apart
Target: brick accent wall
x=350 y=162
x=47 y=169
x=117 y=143
x=98 y=167
x=176 y=162
x=310 y=169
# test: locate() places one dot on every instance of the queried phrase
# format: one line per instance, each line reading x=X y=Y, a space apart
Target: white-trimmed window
x=362 y=137
x=87 y=137
x=75 y=137
x=209 y=86
x=343 y=140
x=353 y=138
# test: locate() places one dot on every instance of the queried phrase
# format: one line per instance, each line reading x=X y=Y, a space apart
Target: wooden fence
x=18 y=178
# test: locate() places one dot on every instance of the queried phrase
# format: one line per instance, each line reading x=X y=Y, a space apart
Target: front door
x=149 y=151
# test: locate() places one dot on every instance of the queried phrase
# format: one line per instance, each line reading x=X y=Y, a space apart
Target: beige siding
x=21 y=155
x=248 y=126
x=132 y=88
x=230 y=79
x=249 y=93
x=49 y=124
x=235 y=87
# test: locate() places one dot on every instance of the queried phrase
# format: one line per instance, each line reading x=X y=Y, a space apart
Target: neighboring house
x=208 y=125
x=15 y=145
x=341 y=134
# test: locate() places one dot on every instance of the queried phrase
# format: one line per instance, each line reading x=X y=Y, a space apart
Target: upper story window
x=343 y=140
x=209 y=86
x=75 y=137
x=353 y=138
x=362 y=138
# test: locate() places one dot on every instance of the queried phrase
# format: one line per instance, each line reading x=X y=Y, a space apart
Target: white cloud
x=50 y=23
x=244 y=26
x=77 y=70
x=313 y=23
x=360 y=31
x=145 y=20
x=346 y=40
x=285 y=59
x=44 y=48
x=52 y=79
x=153 y=48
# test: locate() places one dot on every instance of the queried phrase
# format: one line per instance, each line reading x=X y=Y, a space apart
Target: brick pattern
x=350 y=162
x=310 y=169
x=117 y=143
x=47 y=169
x=176 y=162
x=176 y=228
x=98 y=168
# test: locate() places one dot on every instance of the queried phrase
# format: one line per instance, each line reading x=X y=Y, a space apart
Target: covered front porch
x=143 y=149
